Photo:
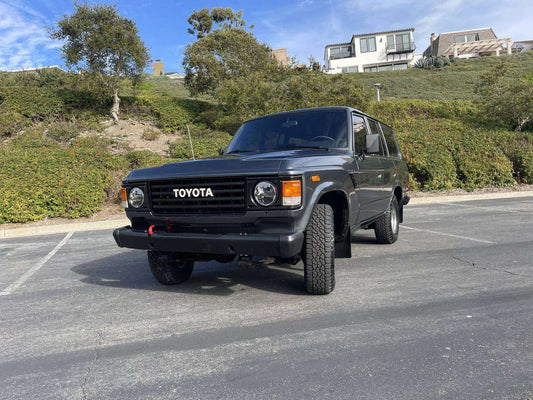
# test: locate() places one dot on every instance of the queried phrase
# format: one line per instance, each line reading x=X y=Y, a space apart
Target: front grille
x=228 y=196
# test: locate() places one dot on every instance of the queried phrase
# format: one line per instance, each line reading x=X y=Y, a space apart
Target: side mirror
x=372 y=144
x=220 y=152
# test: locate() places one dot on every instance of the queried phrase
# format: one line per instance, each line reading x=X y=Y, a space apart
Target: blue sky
x=304 y=27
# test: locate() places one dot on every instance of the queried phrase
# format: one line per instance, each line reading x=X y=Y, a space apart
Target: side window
x=374 y=129
x=359 y=132
x=391 y=142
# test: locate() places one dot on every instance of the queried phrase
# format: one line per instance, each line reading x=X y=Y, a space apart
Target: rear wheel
x=168 y=269
x=387 y=226
x=318 y=253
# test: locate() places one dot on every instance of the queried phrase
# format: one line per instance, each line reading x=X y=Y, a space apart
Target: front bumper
x=277 y=245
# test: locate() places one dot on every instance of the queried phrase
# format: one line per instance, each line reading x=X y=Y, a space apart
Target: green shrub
x=34 y=103
x=206 y=144
x=53 y=182
x=519 y=149
x=170 y=114
x=11 y=122
x=63 y=132
x=34 y=138
x=150 y=134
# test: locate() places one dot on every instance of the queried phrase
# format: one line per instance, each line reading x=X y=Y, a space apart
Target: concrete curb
x=469 y=197
x=63 y=228
x=117 y=223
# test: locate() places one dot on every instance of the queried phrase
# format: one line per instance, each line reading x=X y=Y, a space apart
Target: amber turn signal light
x=124 y=197
x=292 y=193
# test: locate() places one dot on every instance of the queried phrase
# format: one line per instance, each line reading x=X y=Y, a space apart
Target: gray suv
x=293 y=185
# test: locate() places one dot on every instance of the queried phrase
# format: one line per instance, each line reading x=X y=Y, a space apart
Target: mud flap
x=343 y=249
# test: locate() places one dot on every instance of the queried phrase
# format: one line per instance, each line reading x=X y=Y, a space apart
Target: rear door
x=387 y=170
x=365 y=172
x=391 y=178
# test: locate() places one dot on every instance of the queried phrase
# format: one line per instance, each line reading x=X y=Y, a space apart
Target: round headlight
x=136 y=197
x=265 y=193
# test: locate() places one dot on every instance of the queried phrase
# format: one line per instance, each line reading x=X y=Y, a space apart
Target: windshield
x=311 y=129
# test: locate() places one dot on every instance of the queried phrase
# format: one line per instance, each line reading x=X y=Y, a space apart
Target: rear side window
x=374 y=130
x=391 y=142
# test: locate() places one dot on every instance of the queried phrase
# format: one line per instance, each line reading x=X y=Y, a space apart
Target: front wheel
x=318 y=253
x=387 y=226
x=168 y=269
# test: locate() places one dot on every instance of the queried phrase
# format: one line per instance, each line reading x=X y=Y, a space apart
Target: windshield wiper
x=300 y=147
x=241 y=151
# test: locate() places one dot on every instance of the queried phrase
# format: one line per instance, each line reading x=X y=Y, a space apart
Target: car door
x=365 y=172
x=387 y=170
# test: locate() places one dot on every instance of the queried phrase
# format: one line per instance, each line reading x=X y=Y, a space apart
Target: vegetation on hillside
x=455 y=82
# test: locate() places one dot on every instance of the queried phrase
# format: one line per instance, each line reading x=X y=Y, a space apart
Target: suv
x=293 y=185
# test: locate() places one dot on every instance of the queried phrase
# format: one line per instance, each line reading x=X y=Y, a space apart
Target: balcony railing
x=401 y=48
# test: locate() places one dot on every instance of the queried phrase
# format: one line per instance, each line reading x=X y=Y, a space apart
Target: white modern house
x=371 y=52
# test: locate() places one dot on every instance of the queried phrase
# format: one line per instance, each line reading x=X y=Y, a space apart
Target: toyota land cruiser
x=293 y=185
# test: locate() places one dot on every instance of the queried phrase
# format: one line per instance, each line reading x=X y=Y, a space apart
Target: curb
x=63 y=228
x=117 y=223
x=469 y=197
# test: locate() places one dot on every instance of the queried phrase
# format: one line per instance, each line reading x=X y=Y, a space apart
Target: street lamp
x=377 y=86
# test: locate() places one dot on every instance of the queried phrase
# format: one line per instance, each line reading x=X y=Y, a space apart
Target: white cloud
x=24 y=42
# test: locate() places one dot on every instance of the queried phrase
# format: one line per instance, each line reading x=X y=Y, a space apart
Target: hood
x=271 y=163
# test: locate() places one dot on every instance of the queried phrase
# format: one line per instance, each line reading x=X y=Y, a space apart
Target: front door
x=366 y=173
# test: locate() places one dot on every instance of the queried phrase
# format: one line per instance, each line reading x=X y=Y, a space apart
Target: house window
x=385 y=68
x=400 y=66
x=340 y=52
x=346 y=70
x=370 y=69
x=403 y=41
x=390 y=42
x=466 y=38
x=368 y=44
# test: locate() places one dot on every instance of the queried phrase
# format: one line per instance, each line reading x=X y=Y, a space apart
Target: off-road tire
x=318 y=253
x=168 y=269
x=387 y=226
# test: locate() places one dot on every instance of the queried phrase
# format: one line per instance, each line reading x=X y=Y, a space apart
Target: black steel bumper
x=229 y=243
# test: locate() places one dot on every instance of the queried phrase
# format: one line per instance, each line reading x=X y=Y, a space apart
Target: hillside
x=456 y=82
x=60 y=156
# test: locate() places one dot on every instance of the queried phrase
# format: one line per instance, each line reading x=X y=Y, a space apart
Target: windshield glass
x=311 y=129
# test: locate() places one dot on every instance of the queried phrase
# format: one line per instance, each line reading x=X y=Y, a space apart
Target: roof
x=382 y=33
x=370 y=34
x=467 y=30
x=333 y=108
x=339 y=44
x=446 y=39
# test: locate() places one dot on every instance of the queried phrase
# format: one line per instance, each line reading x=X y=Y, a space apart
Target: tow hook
x=151 y=230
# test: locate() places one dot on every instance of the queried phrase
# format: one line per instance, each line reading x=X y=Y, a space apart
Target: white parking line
x=11 y=288
x=448 y=234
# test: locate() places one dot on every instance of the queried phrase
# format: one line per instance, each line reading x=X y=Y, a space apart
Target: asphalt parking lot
x=446 y=312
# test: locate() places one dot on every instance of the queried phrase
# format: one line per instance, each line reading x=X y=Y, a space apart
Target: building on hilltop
x=467 y=43
x=158 y=69
x=522 y=46
x=281 y=56
x=371 y=52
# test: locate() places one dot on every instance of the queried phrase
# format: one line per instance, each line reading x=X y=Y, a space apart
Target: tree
x=202 y=21
x=224 y=54
x=102 y=43
x=505 y=98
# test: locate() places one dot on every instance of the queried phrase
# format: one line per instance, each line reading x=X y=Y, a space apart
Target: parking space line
x=11 y=288
x=448 y=234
